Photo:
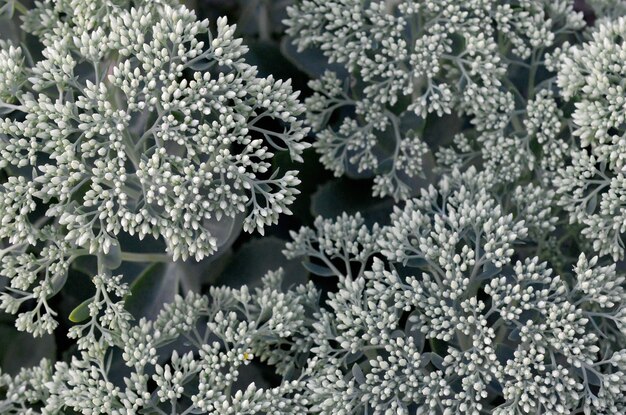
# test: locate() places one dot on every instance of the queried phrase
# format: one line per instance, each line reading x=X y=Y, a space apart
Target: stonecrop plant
x=592 y=186
x=407 y=64
x=136 y=120
x=467 y=257
x=193 y=353
x=446 y=312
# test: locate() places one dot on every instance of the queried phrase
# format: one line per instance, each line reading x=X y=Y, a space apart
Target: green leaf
x=318 y=269
x=488 y=272
x=514 y=335
x=87 y=264
x=416 y=262
x=58 y=282
x=225 y=231
x=434 y=358
x=252 y=261
x=412 y=330
x=358 y=375
x=7 y=10
x=311 y=60
x=159 y=283
x=21 y=350
x=9 y=30
x=151 y=289
x=113 y=259
x=505 y=352
x=81 y=312
x=438 y=346
x=350 y=196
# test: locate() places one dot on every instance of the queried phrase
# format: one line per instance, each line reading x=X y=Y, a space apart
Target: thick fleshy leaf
x=252 y=261
x=320 y=270
x=225 y=231
x=113 y=258
x=311 y=60
x=157 y=285
x=21 y=350
x=81 y=313
x=434 y=358
x=357 y=373
x=350 y=196
x=9 y=30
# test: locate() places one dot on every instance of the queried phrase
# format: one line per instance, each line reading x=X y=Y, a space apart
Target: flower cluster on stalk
x=138 y=121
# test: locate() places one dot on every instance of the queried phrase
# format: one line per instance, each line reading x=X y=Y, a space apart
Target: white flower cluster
x=442 y=311
x=452 y=318
x=138 y=121
x=533 y=141
x=337 y=245
x=11 y=72
x=451 y=310
x=439 y=312
x=593 y=186
x=188 y=360
x=475 y=297
x=411 y=62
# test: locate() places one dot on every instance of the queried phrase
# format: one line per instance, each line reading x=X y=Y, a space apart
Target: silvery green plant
x=607 y=9
x=475 y=295
x=443 y=312
x=136 y=121
x=186 y=361
x=410 y=63
x=592 y=186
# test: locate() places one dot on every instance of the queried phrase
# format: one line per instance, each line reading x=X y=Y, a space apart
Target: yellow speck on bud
x=247 y=357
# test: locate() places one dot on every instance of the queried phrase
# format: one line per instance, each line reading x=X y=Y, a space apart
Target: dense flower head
x=443 y=310
x=591 y=187
x=410 y=63
x=11 y=71
x=187 y=359
x=139 y=121
x=451 y=315
x=137 y=140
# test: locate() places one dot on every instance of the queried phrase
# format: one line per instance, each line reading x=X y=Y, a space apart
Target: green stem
x=265 y=33
x=129 y=146
x=20 y=7
x=11 y=106
x=532 y=75
x=145 y=257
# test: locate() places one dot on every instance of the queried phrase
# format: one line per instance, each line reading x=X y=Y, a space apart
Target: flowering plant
x=467 y=257
x=105 y=135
